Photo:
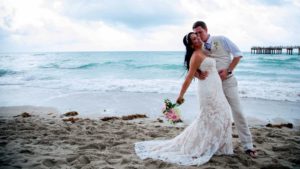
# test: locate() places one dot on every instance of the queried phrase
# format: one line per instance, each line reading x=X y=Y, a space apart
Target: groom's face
x=201 y=33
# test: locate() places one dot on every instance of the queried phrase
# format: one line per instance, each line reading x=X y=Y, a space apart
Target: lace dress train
x=208 y=134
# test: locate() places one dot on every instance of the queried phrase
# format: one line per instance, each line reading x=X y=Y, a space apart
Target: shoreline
x=100 y=104
x=45 y=141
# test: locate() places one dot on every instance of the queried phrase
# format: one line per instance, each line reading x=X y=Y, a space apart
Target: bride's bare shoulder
x=199 y=53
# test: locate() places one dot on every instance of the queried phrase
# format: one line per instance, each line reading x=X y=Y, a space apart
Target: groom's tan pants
x=230 y=88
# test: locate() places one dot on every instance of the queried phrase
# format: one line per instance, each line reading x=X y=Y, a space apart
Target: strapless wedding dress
x=208 y=134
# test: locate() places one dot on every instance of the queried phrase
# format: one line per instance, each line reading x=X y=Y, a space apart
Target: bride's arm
x=196 y=59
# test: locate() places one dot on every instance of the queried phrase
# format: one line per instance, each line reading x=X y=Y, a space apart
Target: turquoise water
x=270 y=77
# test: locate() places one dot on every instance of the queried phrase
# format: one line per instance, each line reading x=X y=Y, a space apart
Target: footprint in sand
x=99 y=137
x=124 y=151
x=53 y=163
x=157 y=164
x=112 y=161
x=259 y=139
x=83 y=160
x=283 y=148
x=118 y=132
x=80 y=162
x=262 y=153
x=125 y=161
x=26 y=152
x=130 y=167
x=116 y=143
x=71 y=158
x=107 y=167
x=97 y=146
x=114 y=156
x=49 y=162
x=271 y=166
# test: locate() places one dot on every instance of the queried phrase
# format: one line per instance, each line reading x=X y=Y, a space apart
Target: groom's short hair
x=200 y=23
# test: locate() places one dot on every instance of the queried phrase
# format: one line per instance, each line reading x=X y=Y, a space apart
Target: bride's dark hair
x=189 y=50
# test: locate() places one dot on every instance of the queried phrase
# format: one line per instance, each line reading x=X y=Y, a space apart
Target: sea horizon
x=94 y=51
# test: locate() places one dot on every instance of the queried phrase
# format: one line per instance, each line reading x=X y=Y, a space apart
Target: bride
x=210 y=132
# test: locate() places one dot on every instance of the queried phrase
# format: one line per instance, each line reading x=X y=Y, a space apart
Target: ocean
x=43 y=78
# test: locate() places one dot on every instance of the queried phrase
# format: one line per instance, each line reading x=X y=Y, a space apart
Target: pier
x=274 y=49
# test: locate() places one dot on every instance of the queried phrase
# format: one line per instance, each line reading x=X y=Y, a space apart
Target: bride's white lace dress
x=208 y=134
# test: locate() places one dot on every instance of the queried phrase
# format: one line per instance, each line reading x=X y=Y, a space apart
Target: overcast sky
x=147 y=25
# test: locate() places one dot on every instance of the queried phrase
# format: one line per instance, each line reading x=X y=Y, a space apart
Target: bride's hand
x=180 y=100
x=223 y=74
x=201 y=75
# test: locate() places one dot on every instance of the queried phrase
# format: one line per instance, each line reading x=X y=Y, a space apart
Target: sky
x=142 y=25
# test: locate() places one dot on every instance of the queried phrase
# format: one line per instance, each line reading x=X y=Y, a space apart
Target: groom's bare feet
x=251 y=153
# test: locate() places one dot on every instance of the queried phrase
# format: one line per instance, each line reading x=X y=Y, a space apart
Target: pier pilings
x=274 y=49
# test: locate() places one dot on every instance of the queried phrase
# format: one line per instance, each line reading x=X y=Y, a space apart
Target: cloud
x=43 y=27
x=104 y=25
x=272 y=2
x=131 y=13
x=250 y=22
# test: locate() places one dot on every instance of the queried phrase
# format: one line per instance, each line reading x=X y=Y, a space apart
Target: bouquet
x=171 y=112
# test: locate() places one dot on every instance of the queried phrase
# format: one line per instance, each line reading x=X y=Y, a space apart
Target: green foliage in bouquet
x=171 y=112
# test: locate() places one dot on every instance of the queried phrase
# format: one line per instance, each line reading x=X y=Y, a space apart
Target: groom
x=221 y=48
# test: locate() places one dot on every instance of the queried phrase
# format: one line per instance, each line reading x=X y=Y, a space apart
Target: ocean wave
x=270 y=74
x=251 y=89
x=5 y=56
x=11 y=84
x=39 y=54
x=85 y=66
x=273 y=90
x=111 y=64
x=49 y=66
x=280 y=58
x=5 y=72
x=161 y=66
x=287 y=62
x=129 y=64
x=57 y=66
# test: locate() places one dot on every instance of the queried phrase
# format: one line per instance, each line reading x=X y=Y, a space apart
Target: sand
x=44 y=140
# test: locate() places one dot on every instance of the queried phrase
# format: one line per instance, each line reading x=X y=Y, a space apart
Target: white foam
x=269 y=90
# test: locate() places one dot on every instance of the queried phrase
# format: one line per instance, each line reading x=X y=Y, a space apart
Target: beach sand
x=44 y=140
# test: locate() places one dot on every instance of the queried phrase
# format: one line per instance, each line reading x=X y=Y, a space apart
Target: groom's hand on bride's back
x=201 y=74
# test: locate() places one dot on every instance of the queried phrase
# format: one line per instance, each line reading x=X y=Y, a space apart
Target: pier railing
x=274 y=49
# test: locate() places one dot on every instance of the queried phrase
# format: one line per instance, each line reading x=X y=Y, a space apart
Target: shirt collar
x=209 y=39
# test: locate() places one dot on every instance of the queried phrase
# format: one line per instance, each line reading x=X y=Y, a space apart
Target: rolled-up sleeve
x=231 y=47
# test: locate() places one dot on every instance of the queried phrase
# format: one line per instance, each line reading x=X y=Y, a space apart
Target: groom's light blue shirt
x=228 y=46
